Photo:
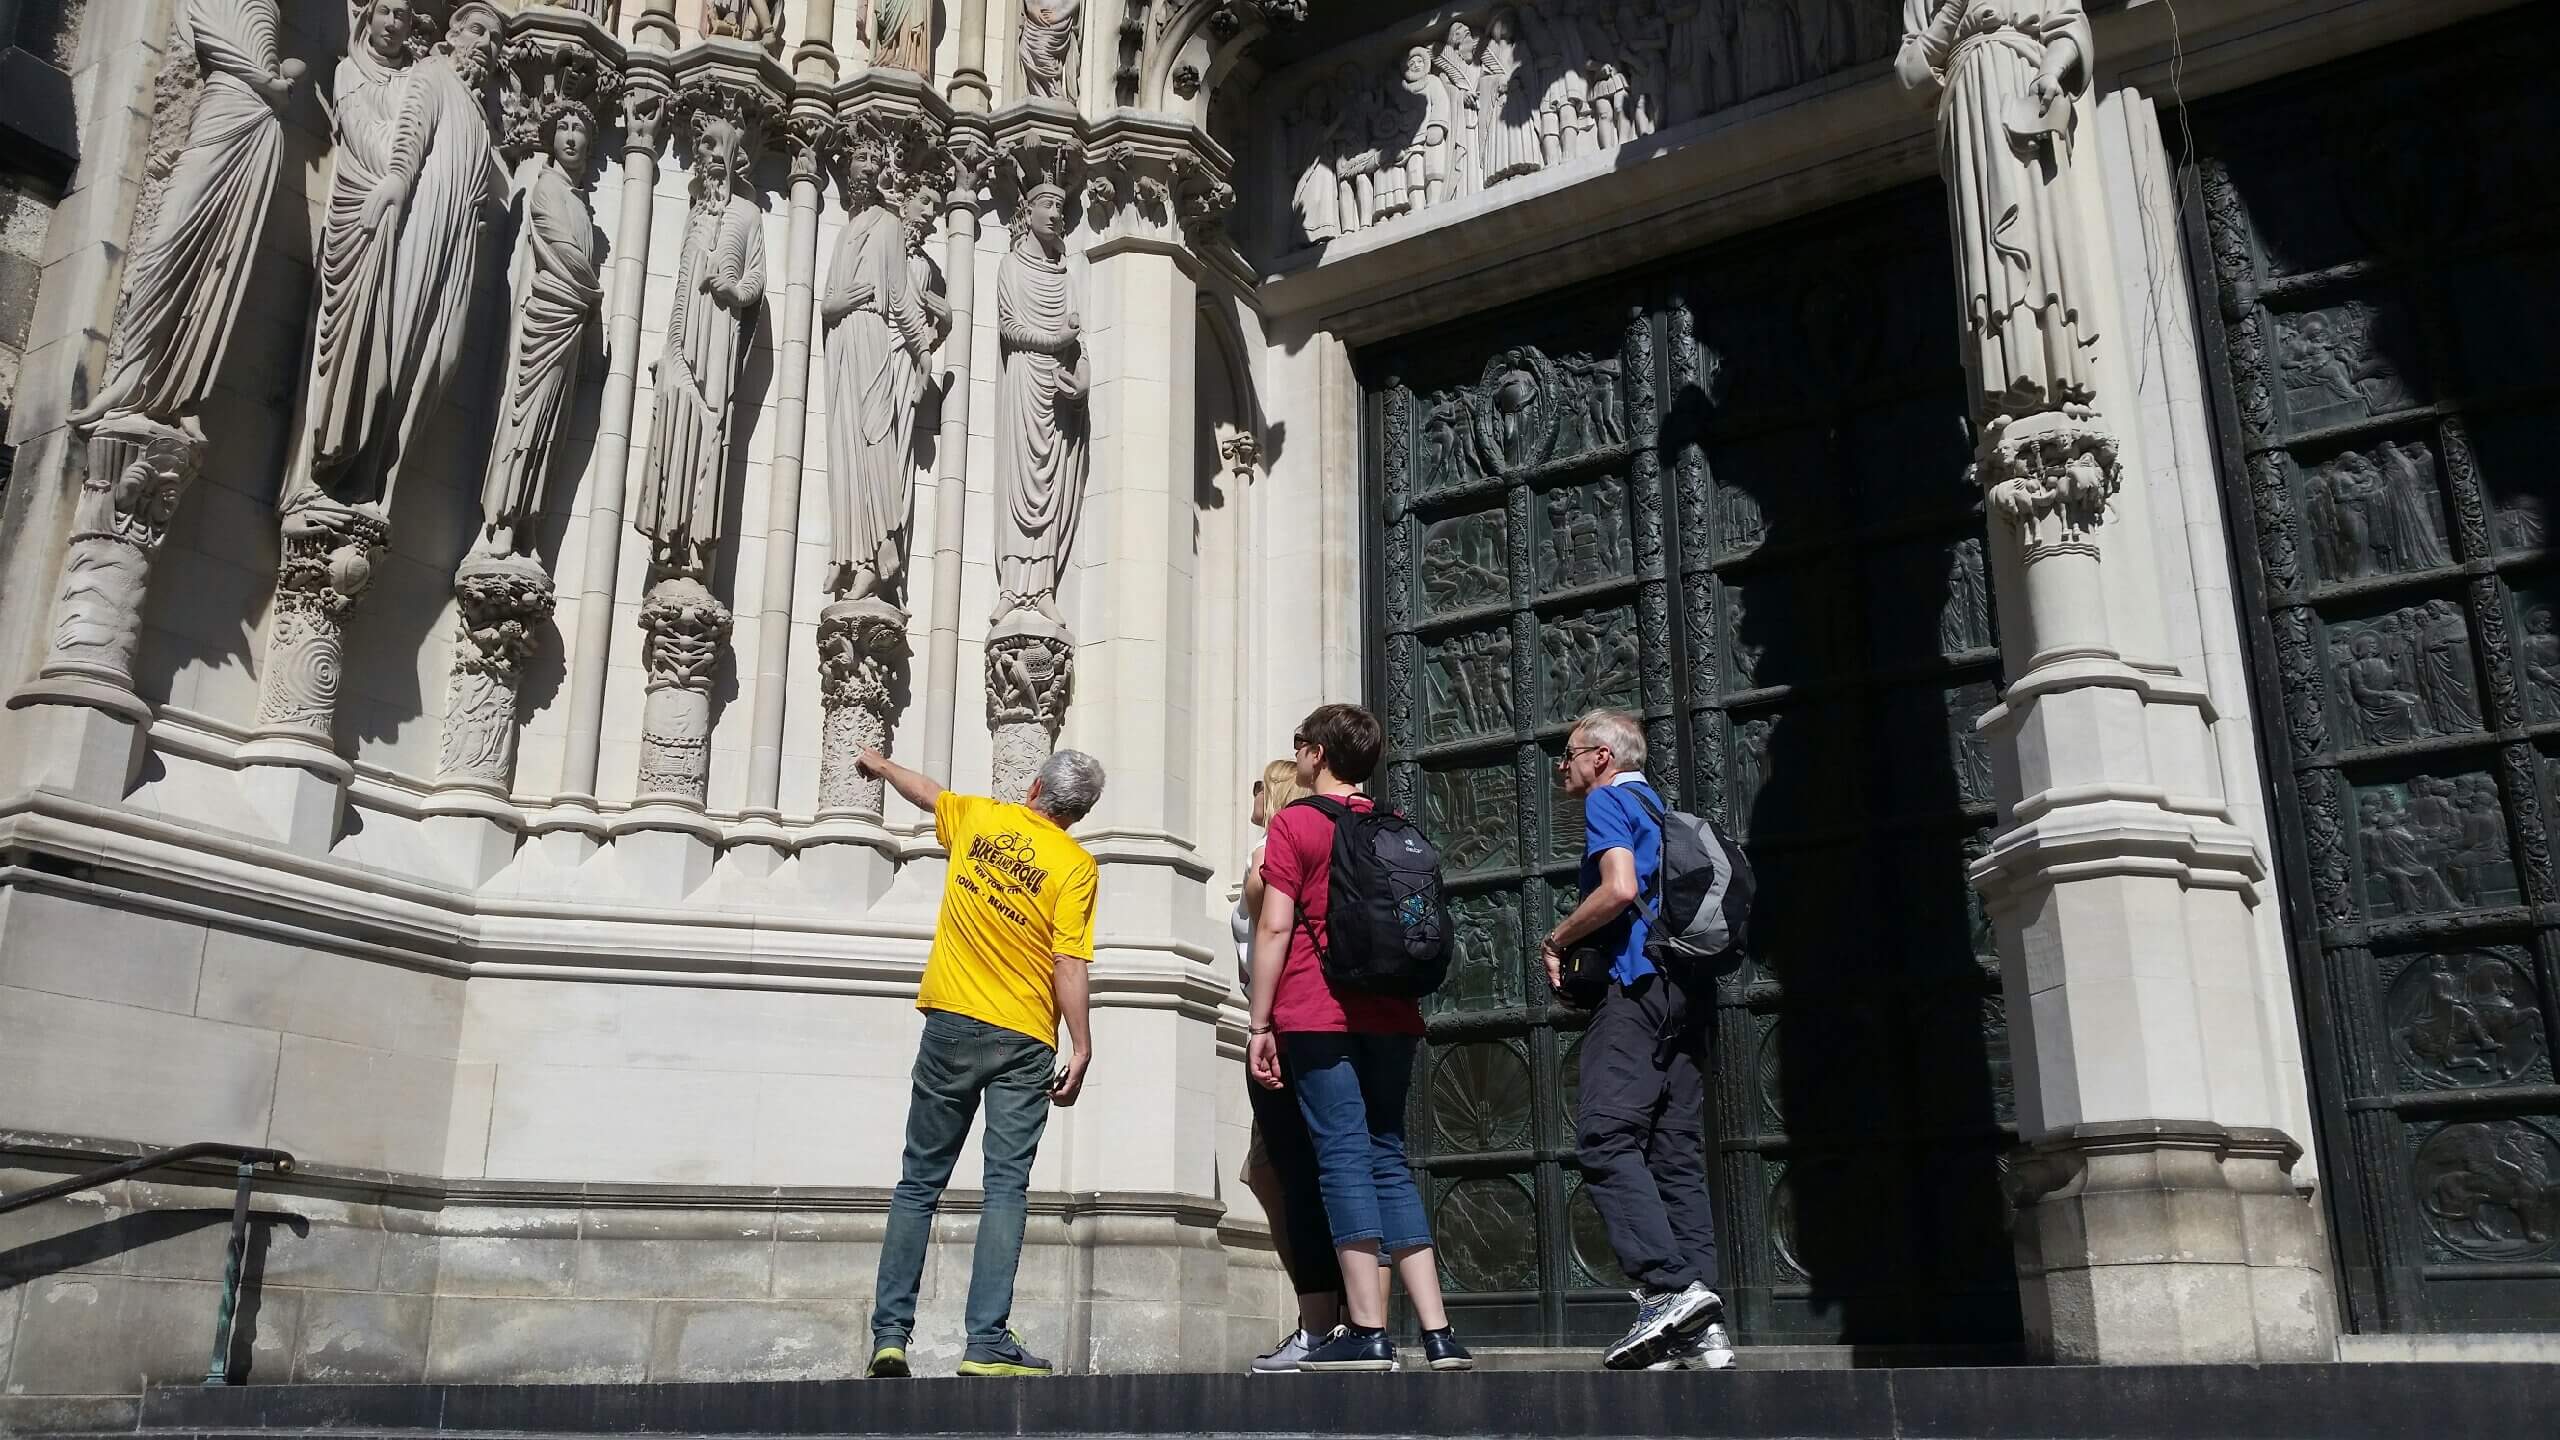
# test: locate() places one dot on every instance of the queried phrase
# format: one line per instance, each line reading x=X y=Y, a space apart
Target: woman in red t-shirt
x=1348 y=1056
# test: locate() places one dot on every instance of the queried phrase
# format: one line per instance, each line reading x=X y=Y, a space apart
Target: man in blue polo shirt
x=1642 y=1130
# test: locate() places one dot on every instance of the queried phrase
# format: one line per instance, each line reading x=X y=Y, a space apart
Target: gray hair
x=1070 y=786
x=1620 y=730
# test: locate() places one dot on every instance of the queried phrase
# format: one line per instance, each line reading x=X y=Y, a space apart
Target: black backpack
x=1701 y=896
x=1386 y=921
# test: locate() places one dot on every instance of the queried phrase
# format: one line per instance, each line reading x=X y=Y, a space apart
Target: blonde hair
x=1280 y=785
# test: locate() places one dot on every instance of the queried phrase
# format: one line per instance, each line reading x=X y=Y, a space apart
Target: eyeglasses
x=1301 y=742
x=1574 y=752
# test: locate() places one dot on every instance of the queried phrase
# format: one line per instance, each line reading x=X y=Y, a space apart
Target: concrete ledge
x=2271 y=1402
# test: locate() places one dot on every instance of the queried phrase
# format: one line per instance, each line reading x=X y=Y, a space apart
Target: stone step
x=2265 y=1402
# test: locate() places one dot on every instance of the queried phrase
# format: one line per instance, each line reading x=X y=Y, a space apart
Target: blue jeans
x=1352 y=1090
x=959 y=1061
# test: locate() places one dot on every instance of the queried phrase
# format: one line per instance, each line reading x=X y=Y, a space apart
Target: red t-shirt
x=1297 y=861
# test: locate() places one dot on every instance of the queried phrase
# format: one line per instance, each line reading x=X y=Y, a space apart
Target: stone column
x=656 y=24
x=139 y=471
x=646 y=94
x=807 y=136
x=972 y=157
x=1031 y=671
x=862 y=665
x=686 y=625
x=2157 y=1220
x=330 y=550
x=503 y=600
x=815 y=59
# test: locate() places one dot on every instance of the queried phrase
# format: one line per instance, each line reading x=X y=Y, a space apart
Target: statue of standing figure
x=720 y=277
x=2010 y=72
x=412 y=176
x=555 y=292
x=1047 y=52
x=1041 y=425
x=192 y=267
x=884 y=311
x=900 y=34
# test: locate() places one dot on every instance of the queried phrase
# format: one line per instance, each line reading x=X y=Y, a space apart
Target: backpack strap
x=1661 y=853
x=1338 y=812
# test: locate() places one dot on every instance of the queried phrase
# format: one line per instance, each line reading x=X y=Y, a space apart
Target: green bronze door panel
x=2378 y=250
x=1727 y=494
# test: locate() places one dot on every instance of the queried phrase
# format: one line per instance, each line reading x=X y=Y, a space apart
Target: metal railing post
x=217 y=1371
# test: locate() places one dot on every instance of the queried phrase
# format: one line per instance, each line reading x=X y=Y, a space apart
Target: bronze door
x=1729 y=494
x=2378 y=257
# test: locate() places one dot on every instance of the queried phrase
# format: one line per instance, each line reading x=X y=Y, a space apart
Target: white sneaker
x=1665 y=1322
x=1709 y=1349
x=1283 y=1358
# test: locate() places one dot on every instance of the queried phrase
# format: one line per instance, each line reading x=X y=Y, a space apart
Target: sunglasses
x=1575 y=752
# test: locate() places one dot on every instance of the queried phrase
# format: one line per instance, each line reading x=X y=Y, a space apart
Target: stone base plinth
x=2169 y=1243
x=89 y=751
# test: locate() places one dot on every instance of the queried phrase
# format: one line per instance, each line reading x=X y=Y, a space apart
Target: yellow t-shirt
x=1020 y=892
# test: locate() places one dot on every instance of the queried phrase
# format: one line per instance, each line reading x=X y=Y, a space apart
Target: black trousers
x=1313 y=1267
x=1642 y=1132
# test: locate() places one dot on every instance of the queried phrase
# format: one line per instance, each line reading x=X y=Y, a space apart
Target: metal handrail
x=247 y=1159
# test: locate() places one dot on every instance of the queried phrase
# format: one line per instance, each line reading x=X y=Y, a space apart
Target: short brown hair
x=1349 y=737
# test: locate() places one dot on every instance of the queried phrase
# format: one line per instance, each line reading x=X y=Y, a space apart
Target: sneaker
x=1348 y=1348
x=1445 y=1352
x=888 y=1362
x=1663 y=1318
x=1004 y=1357
x=1283 y=1358
x=1709 y=1349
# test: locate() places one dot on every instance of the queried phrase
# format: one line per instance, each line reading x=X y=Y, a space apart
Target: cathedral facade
x=2058 y=480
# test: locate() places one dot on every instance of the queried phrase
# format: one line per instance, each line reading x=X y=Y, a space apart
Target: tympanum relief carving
x=2432 y=844
x=1508 y=91
x=2405 y=675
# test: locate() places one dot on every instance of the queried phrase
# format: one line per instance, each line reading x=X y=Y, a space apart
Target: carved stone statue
x=1456 y=66
x=411 y=180
x=720 y=276
x=203 y=211
x=1041 y=454
x=412 y=175
x=758 y=22
x=900 y=34
x=884 y=311
x=2010 y=71
x=555 y=291
x=1506 y=105
x=184 y=282
x=1048 y=53
x=1426 y=157
x=1319 y=117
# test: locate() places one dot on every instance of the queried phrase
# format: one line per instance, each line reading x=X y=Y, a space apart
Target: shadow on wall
x=1857 y=649
x=159 y=1338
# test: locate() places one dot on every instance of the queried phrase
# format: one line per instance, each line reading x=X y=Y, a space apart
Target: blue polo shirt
x=1616 y=820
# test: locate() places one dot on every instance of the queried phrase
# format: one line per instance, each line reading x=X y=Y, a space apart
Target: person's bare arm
x=1073 y=979
x=914 y=786
x=1276 y=916
x=1615 y=892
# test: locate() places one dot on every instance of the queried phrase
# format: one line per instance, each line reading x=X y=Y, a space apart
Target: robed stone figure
x=1047 y=52
x=900 y=34
x=555 y=292
x=192 y=266
x=2010 y=71
x=1041 y=425
x=884 y=312
x=720 y=277
x=412 y=176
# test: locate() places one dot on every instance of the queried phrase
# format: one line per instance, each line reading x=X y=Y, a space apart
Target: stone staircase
x=2231 y=1402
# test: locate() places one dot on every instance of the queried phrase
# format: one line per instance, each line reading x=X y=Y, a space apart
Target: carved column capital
x=686 y=625
x=862 y=677
x=1031 y=664
x=503 y=601
x=810 y=139
x=646 y=103
x=550 y=74
x=2051 y=475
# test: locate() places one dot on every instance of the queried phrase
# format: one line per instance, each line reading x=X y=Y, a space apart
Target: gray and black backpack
x=1700 y=897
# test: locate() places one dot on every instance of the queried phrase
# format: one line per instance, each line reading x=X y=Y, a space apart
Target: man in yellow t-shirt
x=1010 y=953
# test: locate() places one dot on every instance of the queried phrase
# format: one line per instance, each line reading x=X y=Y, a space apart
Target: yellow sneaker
x=889 y=1362
x=1005 y=1357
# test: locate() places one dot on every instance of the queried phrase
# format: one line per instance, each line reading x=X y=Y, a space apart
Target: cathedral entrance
x=2379 y=263
x=1729 y=494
